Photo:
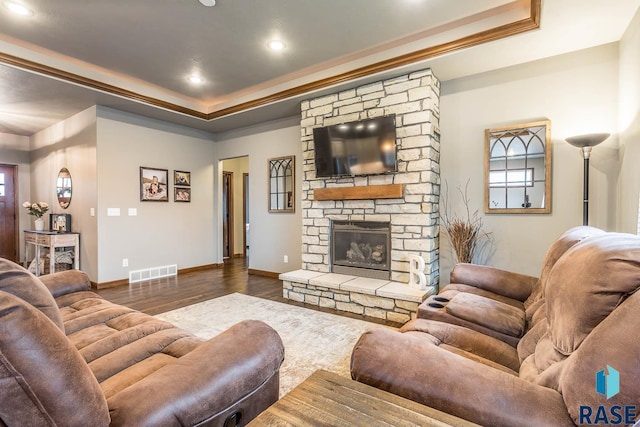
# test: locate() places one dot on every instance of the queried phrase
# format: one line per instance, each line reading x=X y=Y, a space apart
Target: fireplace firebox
x=361 y=248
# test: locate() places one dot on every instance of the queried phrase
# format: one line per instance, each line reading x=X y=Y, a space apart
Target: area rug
x=312 y=339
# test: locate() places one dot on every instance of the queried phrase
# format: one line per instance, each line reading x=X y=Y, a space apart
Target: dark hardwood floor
x=161 y=295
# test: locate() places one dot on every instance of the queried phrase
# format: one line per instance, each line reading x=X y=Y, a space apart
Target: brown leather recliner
x=496 y=302
x=79 y=360
x=588 y=324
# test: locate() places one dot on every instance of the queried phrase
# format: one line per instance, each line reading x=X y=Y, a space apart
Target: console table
x=52 y=240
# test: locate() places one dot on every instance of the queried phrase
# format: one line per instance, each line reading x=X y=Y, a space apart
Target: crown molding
x=532 y=22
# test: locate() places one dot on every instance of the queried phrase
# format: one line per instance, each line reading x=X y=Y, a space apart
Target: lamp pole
x=586 y=143
x=586 y=151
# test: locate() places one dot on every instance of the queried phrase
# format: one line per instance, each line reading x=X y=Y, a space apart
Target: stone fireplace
x=412 y=216
x=361 y=248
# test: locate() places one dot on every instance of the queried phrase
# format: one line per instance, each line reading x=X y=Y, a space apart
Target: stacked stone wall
x=391 y=309
x=414 y=100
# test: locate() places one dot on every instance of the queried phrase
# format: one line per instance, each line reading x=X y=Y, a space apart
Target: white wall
x=578 y=92
x=272 y=235
x=14 y=150
x=162 y=233
x=239 y=167
x=70 y=143
x=629 y=181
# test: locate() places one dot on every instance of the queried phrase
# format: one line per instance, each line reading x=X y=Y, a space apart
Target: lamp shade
x=588 y=140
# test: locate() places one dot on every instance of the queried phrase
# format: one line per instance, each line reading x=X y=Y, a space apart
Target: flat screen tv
x=364 y=147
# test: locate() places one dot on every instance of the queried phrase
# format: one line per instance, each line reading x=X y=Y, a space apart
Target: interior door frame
x=16 y=214
x=245 y=196
x=229 y=208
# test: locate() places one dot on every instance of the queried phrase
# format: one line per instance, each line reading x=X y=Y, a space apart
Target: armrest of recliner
x=66 y=282
x=466 y=340
x=201 y=385
x=415 y=368
x=506 y=283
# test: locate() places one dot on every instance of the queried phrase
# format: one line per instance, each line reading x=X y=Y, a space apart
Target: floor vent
x=153 y=273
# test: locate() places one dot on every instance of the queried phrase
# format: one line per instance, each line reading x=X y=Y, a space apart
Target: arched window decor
x=518 y=168
x=282 y=184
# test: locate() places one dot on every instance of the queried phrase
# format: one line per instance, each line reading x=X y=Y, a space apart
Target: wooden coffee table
x=328 y=399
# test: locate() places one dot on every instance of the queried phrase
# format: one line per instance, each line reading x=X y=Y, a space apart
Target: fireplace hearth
x=361 y=248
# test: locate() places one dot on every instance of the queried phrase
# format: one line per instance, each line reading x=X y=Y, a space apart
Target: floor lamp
x=586 y=143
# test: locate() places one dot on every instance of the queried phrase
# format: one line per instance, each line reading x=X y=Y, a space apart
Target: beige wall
x=14 y=150
x=71 y=144
x=578 y=92
x=239 y=167
x=162 y=233
x=629 y=181
x=595 y=90
x=272 y=235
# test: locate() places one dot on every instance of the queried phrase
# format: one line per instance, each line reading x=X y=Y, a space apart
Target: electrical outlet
x=125 y=262
x=286 y=259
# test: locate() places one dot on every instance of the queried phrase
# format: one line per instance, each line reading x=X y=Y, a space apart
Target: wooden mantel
x=370 y=192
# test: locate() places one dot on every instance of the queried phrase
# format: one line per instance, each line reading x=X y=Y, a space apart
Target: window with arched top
x=518 y=168
x=282 y=184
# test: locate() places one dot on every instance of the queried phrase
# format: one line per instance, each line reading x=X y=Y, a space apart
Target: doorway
x=245 y=213
x=227 y=214
x=8 y=213
x=235 y=207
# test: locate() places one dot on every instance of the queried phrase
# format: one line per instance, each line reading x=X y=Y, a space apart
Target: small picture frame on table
x=60 y=223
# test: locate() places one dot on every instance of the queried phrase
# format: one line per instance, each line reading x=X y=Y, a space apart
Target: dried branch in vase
x=465 y=234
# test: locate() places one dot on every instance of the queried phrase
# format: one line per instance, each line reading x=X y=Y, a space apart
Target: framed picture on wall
x=182 y=178
x=181 y=194
x=154 y=185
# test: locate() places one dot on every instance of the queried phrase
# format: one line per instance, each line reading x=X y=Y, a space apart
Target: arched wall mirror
x=518 y=168
x=282 y=184
x=63 y=188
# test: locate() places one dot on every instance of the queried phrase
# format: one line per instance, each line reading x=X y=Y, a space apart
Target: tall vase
x=39 y=224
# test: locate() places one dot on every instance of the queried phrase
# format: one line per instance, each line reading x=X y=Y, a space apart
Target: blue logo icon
x=608 y=384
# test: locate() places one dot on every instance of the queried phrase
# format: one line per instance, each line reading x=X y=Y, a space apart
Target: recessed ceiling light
x=276 y=45
x=208 y=2
x=195 y=79
x=18 y=8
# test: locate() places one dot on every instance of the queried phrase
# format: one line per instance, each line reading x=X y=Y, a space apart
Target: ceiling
x=136 y=56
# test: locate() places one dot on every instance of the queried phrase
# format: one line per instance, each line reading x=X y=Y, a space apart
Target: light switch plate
x=113 y=211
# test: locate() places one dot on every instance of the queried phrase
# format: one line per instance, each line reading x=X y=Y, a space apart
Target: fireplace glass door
x=361 y=248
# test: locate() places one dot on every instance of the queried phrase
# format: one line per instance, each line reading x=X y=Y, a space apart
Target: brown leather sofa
x=586 y=323
x=70 y=358
x=496 y=302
